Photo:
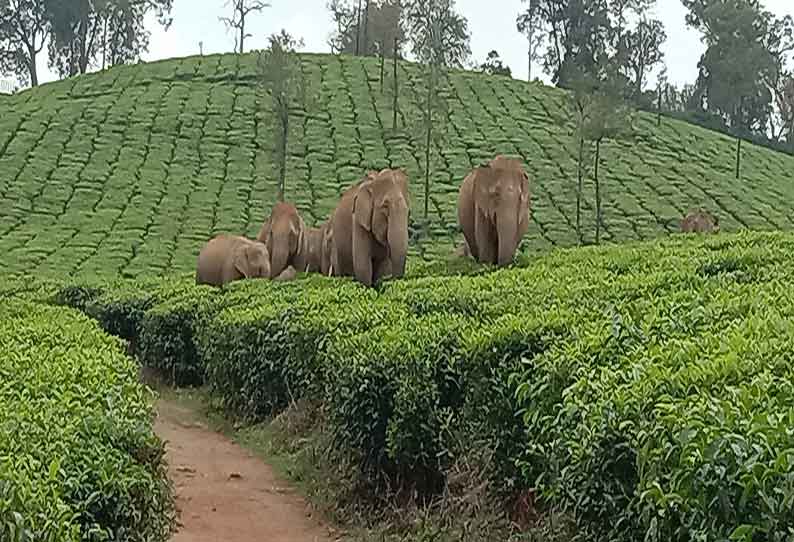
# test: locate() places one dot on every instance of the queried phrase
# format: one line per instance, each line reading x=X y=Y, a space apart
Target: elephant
x=283 y=234
x=313 y=250
x=700 y=221
x=226 y=258
x=288 y=274
x=370 y=227
x=493 y=210
x=327 y=249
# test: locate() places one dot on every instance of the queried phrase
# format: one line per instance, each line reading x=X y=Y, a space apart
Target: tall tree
x=740 y=59
x=530 y=24
x=643 y=51
x=438 y=34
x=82 y=30
x=75 y=36
x=439 y=39
x=124 y=33
x=579 y=32
x=241 y=10
x=23 y=31
x=783 y=126
x=384 y=24
x=280 y=75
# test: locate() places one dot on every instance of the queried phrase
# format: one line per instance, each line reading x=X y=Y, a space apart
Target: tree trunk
x=242 y=25
x=598 y=193
x=382 y=66
x=529 y=60
x=366 y=28
x=104 y=42
x=659 y=108
x=34 y=72
x=579 y=192
x=282 y=174
x=427 y=154
x=530 y=35
x=395 y=103
x=358 y=29
x=738 y=156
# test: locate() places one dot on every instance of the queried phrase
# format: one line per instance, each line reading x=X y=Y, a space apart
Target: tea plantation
x=130 y=170
x=645 y=389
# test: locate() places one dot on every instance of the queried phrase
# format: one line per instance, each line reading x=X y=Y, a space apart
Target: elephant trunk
x=507 y=230
x=398 y=240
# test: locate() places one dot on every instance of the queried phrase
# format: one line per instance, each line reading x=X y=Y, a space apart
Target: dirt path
x=225 y=493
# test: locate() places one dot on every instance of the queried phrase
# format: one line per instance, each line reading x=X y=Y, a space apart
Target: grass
x=130 y=170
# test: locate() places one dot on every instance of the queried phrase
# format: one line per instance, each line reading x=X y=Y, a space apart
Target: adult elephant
x=226 y=258
x=493 y=210
x=283 y=234
x=370 y=227
x=319 y=242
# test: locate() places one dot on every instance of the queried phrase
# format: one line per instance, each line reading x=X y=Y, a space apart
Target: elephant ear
x=363 y=206
x=400 y=178
x=241 y=261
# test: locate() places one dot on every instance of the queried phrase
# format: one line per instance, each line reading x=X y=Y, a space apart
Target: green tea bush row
x=78 y=457
x=646 y=389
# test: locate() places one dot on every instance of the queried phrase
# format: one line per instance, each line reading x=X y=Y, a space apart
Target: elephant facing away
x=493 y=210
x=226 y=258
x=319 y=242
x=370 y=227
x=283 y=234
x=700 y=221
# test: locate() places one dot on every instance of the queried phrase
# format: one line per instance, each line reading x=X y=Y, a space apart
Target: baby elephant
x=226 y=258
x=700 y=221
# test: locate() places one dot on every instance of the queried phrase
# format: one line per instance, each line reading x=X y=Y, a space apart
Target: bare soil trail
x=224 y=492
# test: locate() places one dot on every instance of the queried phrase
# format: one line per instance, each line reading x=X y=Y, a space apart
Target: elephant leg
x=288 y=274
x=382 y=268
x=362 y=255
x=487 y=251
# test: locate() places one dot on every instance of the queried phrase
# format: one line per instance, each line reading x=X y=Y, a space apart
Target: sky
x=197 y=21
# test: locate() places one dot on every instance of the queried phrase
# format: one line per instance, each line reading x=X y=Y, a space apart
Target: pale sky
x=490 y=27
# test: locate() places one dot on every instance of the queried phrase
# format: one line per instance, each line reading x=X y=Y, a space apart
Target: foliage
x=384 y=23
x=643 y=46
x=628 y=386
x=281 y=76
x=127 y=172
x=493 y=65
x=82 y=30
x=744 y=54
x=529 y=23
x=241 y=10
x=439 y=35
x=23 y=30
x=78 y=457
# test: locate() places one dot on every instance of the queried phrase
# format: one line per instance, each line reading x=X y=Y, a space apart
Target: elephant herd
x=366 y=236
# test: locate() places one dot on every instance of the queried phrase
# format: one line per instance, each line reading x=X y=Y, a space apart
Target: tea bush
x=645 y=389
x=78 y=457
x=129 y=170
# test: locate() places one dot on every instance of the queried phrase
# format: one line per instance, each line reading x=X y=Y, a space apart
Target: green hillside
x=132 y=169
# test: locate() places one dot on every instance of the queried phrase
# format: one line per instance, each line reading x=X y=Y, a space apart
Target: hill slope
x=132 y=169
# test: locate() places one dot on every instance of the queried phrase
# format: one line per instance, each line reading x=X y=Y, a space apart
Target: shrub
x=167 y=335
x=78 y=458
x=266 y=353
x=645 y=389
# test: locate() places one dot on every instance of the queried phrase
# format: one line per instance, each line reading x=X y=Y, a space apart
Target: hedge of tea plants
x=128 y=171
x=78 y=458
x=646 y=389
